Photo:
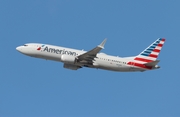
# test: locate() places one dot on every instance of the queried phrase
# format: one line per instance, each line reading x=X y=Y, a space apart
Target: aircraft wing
x=88 y=57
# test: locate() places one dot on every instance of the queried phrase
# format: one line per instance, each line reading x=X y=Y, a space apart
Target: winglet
x=103 y=43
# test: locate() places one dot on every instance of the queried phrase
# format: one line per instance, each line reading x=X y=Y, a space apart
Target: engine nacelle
x=72 y=67
x=68 y=59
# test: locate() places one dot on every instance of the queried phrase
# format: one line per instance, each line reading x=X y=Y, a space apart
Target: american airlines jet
x=74 y=59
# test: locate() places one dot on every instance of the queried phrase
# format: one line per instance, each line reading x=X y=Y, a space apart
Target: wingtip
x=103 y=43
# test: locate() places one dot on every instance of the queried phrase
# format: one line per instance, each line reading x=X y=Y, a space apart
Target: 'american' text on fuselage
x=58 y=51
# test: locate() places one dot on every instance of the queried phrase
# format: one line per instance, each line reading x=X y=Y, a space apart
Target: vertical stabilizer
x=151 y=53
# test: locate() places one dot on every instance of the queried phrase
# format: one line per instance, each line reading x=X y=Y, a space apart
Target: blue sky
x=31 y=87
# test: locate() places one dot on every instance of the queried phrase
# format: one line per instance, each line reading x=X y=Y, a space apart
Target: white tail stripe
x=155 y=53
x=141 y=62
x=147 y=57
x=162 y=42
x=159 y=48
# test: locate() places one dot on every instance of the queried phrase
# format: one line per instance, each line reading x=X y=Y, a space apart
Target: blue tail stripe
x=150 y=49
x=148 y=52
x=145 y=54
x=155 y=44
x=158 y=42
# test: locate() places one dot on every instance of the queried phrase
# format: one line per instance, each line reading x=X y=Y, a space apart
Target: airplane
x=75 y=59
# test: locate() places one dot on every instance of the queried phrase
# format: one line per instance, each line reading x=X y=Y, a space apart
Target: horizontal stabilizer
x=153 y=63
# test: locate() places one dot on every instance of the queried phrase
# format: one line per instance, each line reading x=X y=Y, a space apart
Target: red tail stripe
x=160 y=45
x=152 y=55
x=156 y=50
x=142 y=59
x=139 y=65
x=163 y=40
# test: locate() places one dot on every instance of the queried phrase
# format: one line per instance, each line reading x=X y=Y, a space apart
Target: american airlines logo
x=40 y=47
x=57 y=51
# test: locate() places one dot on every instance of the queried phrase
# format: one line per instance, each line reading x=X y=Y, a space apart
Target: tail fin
x=151 y=53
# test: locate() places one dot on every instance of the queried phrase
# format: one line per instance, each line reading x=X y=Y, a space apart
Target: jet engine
x=68 y=59
x=72 y=67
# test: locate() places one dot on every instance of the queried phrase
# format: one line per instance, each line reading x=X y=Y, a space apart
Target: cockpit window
x=25 y=45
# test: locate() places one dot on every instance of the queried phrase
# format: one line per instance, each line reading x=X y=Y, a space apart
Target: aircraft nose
x=18 y=48
x=24 y=50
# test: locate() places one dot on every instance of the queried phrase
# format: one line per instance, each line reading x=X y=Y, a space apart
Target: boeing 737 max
x=74 y=59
